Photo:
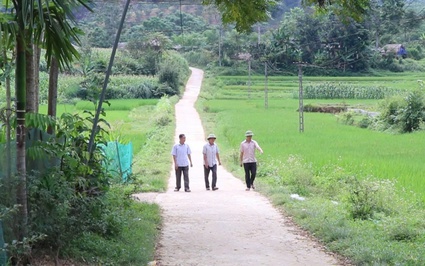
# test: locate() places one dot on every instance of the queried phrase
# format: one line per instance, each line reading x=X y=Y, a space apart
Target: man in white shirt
x=248 y=160
x=211 y=156
x=181 y=156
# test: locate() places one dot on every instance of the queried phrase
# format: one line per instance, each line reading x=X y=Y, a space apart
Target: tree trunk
x=37 y=55
x=8 y=125
x=53 y=91
x=30 y=84
x=20 y=89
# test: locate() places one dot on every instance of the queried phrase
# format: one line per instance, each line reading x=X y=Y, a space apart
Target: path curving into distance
x=229 y=226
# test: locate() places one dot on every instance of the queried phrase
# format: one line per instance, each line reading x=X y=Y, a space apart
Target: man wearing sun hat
x=248 y=160
x=211 y=156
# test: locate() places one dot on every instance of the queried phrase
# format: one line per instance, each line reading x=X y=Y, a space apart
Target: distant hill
x=141 y=10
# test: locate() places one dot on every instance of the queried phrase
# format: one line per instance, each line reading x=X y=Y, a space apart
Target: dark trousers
x=185 y=171
x=250 y=173
x=214 y=175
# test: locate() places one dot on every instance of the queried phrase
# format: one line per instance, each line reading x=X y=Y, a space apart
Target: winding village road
x=229 y=226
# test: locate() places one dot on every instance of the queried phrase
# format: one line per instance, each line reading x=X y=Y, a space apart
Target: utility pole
x=91 y=144
x=259 y=34
x=219 y=45
x=249 y=77
x=266 y=89
x=300 y=97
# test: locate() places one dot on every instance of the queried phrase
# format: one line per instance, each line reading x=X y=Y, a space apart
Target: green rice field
x=325 y=141
x=128 y=118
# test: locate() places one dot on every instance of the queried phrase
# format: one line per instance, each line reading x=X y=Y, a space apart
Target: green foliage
x=173 y=73
x=402 y=114
x=413 y=114
x=202 y=58
x=296 y=175
x=144 y=89
x=135 y=245
x=345 y=9
x=244 y=14
x=364 y=198
x=345 y=91
x=91 y=87
x=169 y=79
x=73 y=190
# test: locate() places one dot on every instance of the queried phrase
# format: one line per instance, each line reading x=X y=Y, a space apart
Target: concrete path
x=229 y=226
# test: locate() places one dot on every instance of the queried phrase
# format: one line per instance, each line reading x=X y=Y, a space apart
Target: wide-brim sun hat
x=211 y=136
x=249 y=133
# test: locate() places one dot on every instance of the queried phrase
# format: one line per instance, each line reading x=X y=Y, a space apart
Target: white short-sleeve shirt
x=181 y=151
x=211 y=152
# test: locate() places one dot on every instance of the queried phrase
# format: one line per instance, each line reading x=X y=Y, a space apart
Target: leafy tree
x=42 y=23
x=308 y=30
x=346 y=44
x=346 y=9
x=102 y=25
x=241 y=12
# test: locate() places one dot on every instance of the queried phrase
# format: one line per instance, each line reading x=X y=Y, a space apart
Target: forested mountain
x=293 y=33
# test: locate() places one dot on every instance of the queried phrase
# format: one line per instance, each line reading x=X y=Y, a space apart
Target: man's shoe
x=247 y=189
x=215 y=188
x=176 y=190
x=252 y=186
x=187 y=190
x=208 y=188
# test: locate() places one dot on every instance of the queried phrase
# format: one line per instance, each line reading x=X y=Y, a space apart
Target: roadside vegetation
x=93 y=218
x=357 y=190
x=357 y=165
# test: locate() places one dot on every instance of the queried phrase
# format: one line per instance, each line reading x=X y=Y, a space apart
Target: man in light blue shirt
x=211 y=156
x=181 y=156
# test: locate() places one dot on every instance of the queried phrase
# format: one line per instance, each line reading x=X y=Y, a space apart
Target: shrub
x=344 y=91
x=199 y=58
x=415 y=54
x=366 y=197
x=169 y=80
x=403 y=114
x=394 y=67
x=296 y=174
x=411 y=116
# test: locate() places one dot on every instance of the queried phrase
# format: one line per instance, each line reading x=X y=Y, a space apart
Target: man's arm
x=175 y=162
x=258 y=147
x=205 y=160
x=190 y=160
